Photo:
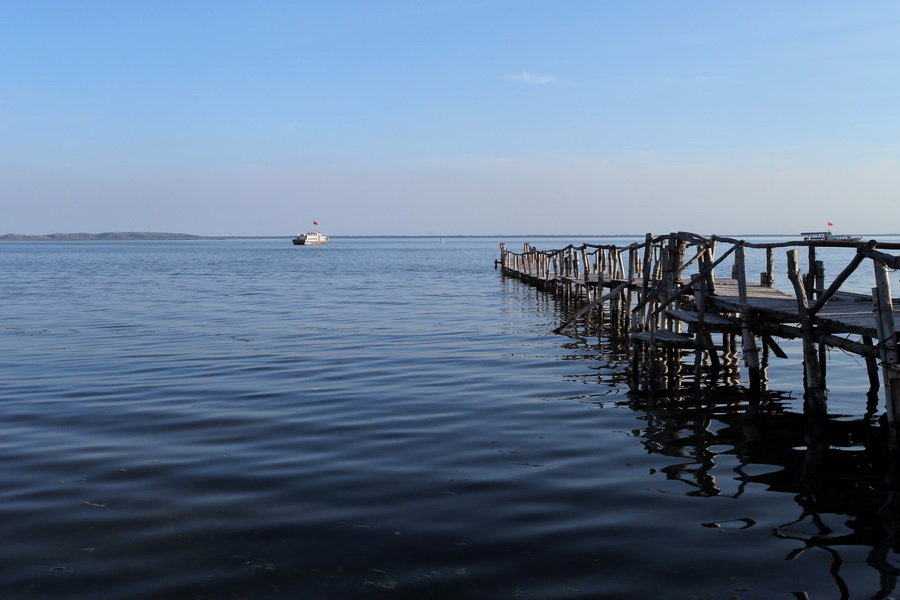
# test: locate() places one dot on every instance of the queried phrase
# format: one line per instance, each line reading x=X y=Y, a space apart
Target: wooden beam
x=839 y=280
x=888 y=259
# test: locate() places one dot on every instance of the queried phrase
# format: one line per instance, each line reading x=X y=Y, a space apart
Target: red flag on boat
x=831 y=224
x=316 y=223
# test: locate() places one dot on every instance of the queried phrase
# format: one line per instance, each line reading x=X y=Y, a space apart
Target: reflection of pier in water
x=842 y=473
x=834 y=469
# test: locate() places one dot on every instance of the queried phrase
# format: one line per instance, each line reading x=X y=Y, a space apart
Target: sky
x=449 y=118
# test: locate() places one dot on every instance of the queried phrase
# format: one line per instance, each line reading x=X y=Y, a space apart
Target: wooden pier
x=665 y=297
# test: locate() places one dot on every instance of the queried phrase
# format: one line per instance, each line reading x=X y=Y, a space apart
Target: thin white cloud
x=530 y=78
x=689 y=80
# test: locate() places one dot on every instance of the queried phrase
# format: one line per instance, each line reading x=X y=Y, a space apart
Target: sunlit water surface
x=392 y=418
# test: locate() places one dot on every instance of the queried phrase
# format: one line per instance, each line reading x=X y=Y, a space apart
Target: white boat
x=827 y=236
x=310 y=238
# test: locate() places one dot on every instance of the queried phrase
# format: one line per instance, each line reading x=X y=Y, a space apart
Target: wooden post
x=576 y=264
x=711 y=278
x=632 y=274
x=663 y=281
x=811 y=275
x=819 y=277
x=770 y=267
x=644 y=297
x=813 y=382
x=615 y=303
x=871 y=367
x=677 y=260
x=585 y=265
x=819 y=284
x=887 y=342
x=703 y=339
x=620 y=265
x=748 y=337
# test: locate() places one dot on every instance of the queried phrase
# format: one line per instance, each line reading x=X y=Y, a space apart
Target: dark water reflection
x=200 y=421
x=840 y=472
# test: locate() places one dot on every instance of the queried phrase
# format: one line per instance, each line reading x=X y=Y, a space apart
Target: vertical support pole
x=585 y=265
x=874 y=384
x=819 y=284
x=615 y=303
x=770 y=267
x=679 y=247
x=812 y=375
x=748 y=337
x=887 y=342
x=819 y=277
x=811 y=275
x=645 y=282
x=632 y=268
x=662 y=291
x=700 y=336
x=704 y=338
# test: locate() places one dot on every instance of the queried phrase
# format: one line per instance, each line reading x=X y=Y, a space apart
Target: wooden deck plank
x=845 y=313
x=665 y=337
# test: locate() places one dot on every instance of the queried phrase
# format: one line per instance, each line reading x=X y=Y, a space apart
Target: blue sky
x=444 y=118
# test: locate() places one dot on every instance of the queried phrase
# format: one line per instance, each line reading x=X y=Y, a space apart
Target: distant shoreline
x=161 y=236
x=123 y=236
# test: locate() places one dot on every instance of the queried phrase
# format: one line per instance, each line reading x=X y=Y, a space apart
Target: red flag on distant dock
x=830 y=224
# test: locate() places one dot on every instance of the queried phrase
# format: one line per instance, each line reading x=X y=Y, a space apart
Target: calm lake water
x=392 y=418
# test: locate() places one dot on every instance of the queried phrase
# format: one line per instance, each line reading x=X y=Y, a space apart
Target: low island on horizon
x=115 y=235
x=157 y=235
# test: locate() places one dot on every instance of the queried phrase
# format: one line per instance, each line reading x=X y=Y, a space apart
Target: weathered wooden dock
x=665 y=296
